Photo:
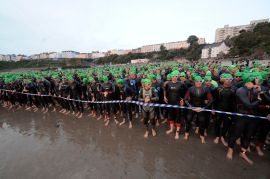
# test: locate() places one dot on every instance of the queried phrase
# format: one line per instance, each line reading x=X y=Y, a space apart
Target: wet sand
x=52 y=145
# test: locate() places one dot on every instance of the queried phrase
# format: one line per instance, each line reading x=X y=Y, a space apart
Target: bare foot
x=216 y=140
x=224 y=142
x=157 y=123
x=202 y=139
x=107 y=123
x=154 y=133
x=80 y=116
x=169 y=131
x=186 y=136
x=205 y=133
x=46 y=110
x=197 y=130
x=259 y=151
x=123 y=122
x=176 y=135
x=146 y=134
x=229 y=154
x=244 y=156
x=164 y=121
x=130 y=125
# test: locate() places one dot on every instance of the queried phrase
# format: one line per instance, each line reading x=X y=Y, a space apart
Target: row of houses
x=209 y=51
x=66 y=54
x=53 y=55
x=96 y=54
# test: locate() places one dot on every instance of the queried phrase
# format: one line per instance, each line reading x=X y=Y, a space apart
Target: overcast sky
x=35 y=26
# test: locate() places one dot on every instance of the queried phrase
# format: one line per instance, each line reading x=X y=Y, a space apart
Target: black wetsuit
x=174 y=93
x=109 y=89
x=224 y=101
x=122 y=93
x=148 y=111
x=76 y=93
x=246 y=103
x=196 y=97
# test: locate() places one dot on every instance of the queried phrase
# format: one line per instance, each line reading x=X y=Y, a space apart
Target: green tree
x=251 y=43
x=193 y=39
x=162 y=48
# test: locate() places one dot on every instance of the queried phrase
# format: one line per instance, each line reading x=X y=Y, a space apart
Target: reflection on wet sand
x=52 y=145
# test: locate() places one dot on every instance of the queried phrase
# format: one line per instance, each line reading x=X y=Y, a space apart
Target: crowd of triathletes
x=240 y=88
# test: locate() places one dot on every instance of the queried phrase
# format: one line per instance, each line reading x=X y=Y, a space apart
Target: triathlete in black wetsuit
x=175 y=92
x=224 y=98
x=198 y=97
x=247 y=102
x=107 y=93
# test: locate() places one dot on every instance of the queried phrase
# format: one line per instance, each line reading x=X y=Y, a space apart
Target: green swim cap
x=207 y=78
x=105 y=78
x=146 y=81
x=175 y=73
x=198 y=78
x=120 y=81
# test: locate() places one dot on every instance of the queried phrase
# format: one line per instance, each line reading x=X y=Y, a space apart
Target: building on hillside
x=168 y=46
x=3 y=57
x=9 y=57
x=137 y=50
x=127 y=51
x=44 y=55
x=97 y=54
x=21 y=57
x=227 y=31
x=116 y=52
x=55 y=55
x=34 y=57
x=139 y=61
x=214 y=50
x=83 y=55
x=69 y=54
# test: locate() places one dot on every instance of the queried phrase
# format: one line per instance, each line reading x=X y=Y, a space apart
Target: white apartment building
x=168 y=46
x=150 y=48
x=21 y=57
x=212 y=50
x=97 y=54
x=116 y=52
x=227 y=31
x=55 y=55
x=12 y=57
x=139 y=61
x=2 y=57
x=34 y=57
x=83 y=55
x=44 y=55
x=69 y=54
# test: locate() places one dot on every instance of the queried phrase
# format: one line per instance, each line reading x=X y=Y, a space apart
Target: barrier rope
x=142 y=104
